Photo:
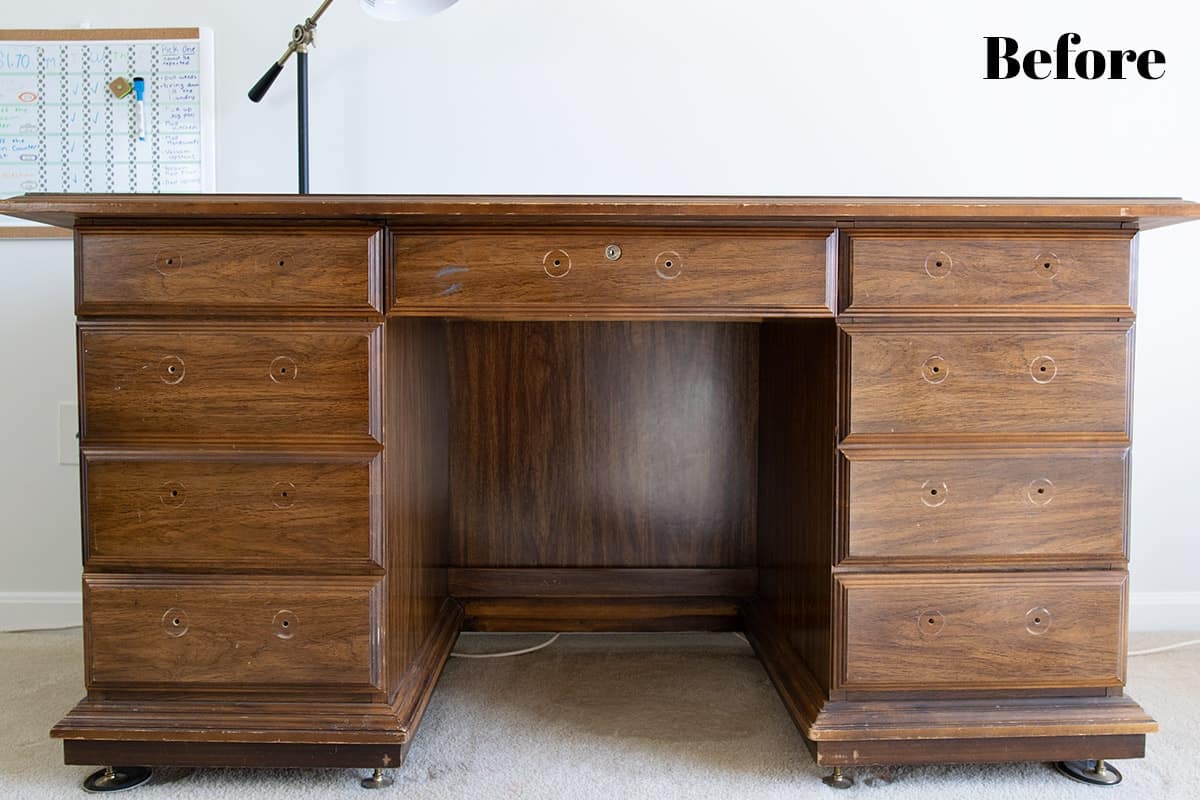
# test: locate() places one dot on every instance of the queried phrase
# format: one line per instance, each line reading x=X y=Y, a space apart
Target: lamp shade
x=398 y=10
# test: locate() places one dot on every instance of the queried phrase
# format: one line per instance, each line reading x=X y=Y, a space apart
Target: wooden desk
x=887 y=438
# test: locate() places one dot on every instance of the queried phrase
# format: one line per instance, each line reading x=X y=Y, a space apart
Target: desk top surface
x=65 y=210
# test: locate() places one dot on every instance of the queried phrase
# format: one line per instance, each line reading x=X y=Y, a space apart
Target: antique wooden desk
x=887 y=438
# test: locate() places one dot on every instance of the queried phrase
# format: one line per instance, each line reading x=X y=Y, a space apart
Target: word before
x=1065 y=62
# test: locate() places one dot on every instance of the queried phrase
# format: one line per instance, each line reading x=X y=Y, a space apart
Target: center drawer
x=920 y=632
x=232 y=633
x=279 y=383
x=561 y=273
x=1013 y=379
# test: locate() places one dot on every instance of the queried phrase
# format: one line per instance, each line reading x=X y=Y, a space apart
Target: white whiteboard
x=62 y=130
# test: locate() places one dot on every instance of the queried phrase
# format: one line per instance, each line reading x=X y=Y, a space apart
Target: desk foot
x=1095 y=773
x=116 y=779
x=837 y=780
x=377 y=780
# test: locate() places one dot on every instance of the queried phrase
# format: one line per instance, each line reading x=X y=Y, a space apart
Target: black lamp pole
x=302 y=40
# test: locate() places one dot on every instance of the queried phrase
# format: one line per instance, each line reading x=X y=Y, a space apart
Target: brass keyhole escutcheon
x=283 y=494
x=934 y=493
x=1043 y=369
x=285 y=624
x=930 y=622
x=1040 y=491
x=556 y=263
x=935 y=369
x=171 y=369
x=938 y=264
x=1037 y=620
x=1047 y=265
x=668 y=265
x=175 y=622
x=283 y=369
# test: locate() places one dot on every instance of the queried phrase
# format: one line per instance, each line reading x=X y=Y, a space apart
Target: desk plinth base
x=297 y=733
x=950 y=730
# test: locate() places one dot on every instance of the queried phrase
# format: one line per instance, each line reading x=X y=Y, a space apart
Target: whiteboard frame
x=11 y=228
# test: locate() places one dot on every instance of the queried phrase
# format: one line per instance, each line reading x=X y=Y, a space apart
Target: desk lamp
x=302 y=40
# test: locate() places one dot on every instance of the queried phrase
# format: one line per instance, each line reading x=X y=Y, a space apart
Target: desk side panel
x=798 y=435
x=416 y=478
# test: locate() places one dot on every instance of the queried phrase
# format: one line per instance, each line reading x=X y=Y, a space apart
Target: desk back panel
x=603 y=444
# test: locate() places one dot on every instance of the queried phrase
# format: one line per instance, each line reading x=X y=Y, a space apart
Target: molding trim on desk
x=36 y=610
x=1164 y=611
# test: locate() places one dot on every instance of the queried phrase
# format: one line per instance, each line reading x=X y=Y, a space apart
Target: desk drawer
x=1011 y=380
x=956 y=509
x=1084 y=272
x=241 y=383
x=269 y=512
x=185 y=271
x=613 y=271
x=232 y=633
x=919 y=632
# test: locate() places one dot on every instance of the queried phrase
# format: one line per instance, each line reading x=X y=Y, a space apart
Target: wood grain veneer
x=277 y=512
x=1082 y=273
x=1023 y=379
x=614 y=270
x=246 y=383
x=1007 y=631
x=473 y=436
x=192 y=270
x=971 y=507
x=603 y=444
x=232 y=633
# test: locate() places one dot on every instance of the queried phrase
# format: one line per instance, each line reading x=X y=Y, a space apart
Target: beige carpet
x=611 y=716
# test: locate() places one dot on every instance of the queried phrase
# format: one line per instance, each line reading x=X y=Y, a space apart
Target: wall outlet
x=68 y=433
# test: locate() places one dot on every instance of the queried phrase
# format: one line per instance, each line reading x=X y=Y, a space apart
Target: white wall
x=668 y=97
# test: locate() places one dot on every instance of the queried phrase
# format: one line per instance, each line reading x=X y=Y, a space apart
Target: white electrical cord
x=1165 y=648
x=508 y=653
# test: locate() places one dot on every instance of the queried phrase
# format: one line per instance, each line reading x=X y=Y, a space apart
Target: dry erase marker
x=139 y=89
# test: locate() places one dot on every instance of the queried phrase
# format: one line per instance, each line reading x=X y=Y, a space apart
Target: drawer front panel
x=274 y=513
x=1002 y=381
x=983 y=631
x=284 y=383
x=556 y=272
x=963 y=509
x=254 y=633
x=190 y=271
x=1083 y=272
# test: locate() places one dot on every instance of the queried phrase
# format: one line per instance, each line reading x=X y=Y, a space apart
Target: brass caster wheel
x=377 y=780
x=837 y=780
x=1094 y=773
x=116 y=779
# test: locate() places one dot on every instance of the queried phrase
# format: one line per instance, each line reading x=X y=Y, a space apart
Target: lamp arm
x=302 y=39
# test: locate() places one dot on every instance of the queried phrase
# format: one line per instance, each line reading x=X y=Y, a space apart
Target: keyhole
x=171 y=369
x=937 y=264
x=939 y=369
x=558 y=262
x=285 y=623
x=932 y=621
x=281 y=262
x=171 y=261
x=176 y=622
x=174 y=493
x=1037 y=620
x=933 y=491
x=1041 y=490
